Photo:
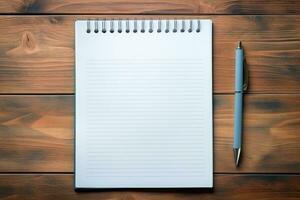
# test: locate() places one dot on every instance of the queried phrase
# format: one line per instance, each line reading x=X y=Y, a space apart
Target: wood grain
x=37 y=53
x=152 y=6
x=37 y=134
x=234 y=187
x=270 y=138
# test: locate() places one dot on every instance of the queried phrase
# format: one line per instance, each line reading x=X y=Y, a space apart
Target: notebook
x=143 y=104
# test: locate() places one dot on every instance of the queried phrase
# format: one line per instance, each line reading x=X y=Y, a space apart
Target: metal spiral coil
x=143 y=26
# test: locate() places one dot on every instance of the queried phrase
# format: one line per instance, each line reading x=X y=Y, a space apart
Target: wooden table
x=36 y=96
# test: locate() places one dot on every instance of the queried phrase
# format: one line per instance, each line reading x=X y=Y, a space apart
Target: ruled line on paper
x=128 y=96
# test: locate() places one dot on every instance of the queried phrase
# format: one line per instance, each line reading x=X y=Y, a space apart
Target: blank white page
x=143 y=104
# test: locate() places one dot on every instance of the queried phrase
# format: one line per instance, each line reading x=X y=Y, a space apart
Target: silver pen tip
x=239 y=45
x=237 y=154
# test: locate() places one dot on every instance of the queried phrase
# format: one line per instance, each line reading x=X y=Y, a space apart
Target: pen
x=238 y=102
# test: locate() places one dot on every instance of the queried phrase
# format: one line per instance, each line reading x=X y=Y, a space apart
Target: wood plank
x=37 y=53
x=152 y=6
x=234 y=187
x=37 y=134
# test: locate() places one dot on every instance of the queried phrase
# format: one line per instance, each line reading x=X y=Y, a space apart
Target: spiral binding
x=143 y=26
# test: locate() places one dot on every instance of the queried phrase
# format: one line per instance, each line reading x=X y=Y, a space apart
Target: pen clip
x=246 y=76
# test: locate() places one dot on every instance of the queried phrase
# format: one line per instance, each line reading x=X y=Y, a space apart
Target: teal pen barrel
x=239 y=62
x=238 y=120
x=238 y=101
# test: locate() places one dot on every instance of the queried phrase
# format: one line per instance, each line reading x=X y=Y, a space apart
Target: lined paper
x=143 y=109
